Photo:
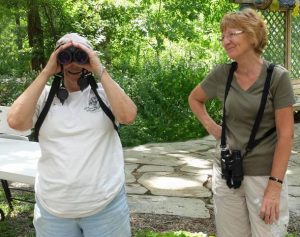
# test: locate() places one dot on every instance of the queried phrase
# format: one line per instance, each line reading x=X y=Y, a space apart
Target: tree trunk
x=18 y=31
x=35 y=36
x=48 y=11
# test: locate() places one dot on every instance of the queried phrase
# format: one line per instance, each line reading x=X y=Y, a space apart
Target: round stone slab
x=175 y=184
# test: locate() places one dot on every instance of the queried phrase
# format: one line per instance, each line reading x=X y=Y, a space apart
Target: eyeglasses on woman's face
x=230 y=35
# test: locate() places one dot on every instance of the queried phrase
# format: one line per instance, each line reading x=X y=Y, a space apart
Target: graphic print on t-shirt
x=93 y=105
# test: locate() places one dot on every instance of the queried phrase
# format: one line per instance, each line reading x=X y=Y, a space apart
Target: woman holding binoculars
x=249 y=190
x=80 y=179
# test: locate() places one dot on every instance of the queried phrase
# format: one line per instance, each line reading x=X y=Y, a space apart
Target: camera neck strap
x=252 y=142
x=55 y=87
x=104 y=107
x=228 y=84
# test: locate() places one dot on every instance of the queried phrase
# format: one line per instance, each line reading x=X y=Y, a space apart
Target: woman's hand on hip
x=215 y=130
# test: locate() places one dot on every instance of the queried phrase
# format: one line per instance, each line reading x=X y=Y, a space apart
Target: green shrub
x=11 y=87
x=160 y=92
x=161 y=95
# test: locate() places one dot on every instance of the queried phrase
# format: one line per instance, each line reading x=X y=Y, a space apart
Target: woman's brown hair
x=252 y=23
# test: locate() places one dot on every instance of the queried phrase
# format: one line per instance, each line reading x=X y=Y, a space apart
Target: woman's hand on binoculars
x=52 y=67
x=94 y=63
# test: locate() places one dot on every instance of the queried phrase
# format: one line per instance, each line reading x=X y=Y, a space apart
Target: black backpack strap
x=228 y=84
x=104 y=107
x=257 y=141
x=54 y=88
x=252 y=142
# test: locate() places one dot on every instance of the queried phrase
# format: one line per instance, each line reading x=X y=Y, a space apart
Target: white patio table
x=18 y=162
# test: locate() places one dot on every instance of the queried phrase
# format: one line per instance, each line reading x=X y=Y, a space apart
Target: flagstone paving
x=175 y=178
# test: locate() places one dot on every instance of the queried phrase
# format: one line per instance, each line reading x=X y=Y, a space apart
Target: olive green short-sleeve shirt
x=241 y=109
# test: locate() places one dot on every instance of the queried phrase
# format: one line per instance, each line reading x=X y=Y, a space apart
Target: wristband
x=275 y=179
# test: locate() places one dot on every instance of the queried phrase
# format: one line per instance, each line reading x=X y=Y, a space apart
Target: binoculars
x=232 y=167
x=72 y=54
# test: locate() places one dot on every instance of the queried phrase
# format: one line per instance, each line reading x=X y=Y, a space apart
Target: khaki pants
x=237 y=210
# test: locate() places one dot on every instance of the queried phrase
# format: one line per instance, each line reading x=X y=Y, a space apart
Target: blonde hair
x=252 y=23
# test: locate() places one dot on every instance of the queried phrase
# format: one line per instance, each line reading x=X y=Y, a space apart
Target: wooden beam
x=288 y=40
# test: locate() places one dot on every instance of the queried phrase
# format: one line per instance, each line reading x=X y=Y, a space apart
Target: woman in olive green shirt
x=259 y=206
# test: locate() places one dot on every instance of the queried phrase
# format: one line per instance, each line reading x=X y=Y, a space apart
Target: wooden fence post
x=288 y=40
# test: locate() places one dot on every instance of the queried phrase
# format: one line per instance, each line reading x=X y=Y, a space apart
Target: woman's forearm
x=22 y=110
x=285 y=133
x=123 y=107
x=281 y=157
x=198 y=108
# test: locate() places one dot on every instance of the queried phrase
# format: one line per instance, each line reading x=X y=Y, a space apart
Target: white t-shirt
x=82 y=167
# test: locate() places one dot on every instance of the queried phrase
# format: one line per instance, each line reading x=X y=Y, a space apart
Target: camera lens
x=80 y=56
x=64 y=57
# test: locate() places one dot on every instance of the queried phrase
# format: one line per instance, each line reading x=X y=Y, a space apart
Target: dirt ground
x=162 y=223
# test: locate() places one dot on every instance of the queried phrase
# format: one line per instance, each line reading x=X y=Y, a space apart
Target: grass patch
x=17 y=222
x=146 y=233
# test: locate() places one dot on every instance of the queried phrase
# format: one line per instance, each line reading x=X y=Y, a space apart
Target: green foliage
x=160 y=92
x=11 y=87
x=161 y=97
x=13 y=51
x=293 y=235
x=19 y=221
x=157 y=50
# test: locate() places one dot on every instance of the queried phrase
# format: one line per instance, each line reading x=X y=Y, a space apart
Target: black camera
x=232 y=167
x=72 y=54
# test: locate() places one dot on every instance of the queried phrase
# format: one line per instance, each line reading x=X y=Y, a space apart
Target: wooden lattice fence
x=284 y=40
x=284 y=37
x=283 y=20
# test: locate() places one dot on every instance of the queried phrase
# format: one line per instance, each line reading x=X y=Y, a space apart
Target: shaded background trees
x=157 y=50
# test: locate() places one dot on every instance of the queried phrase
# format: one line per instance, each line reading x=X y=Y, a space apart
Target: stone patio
x=175 y=178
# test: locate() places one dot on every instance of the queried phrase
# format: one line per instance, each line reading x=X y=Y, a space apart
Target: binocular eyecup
x=72 y=54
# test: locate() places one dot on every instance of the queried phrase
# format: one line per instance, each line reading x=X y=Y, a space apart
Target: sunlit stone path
x=175 y=178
